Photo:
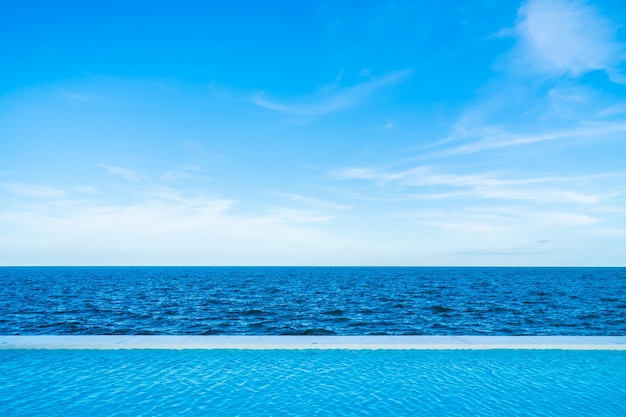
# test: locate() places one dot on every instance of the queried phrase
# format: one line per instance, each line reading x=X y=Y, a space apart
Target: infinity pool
x=144 y=382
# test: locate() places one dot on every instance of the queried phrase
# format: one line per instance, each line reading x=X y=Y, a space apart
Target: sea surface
x=312 y=301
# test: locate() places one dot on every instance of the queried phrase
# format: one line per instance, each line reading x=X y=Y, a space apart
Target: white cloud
x=184 y=172
x=612 y=110
x=482 y=186
x=464 y=226
x=486 y=139
x=313 y=201
x=33 y=190
x=300 y=216
x=333 y=100
x=171 y=230
x=75 y=97
x=502 y=224
x=369 y=173
x=611 y=232
x=538 y=195
x=567 y=38
x=557 y=39
x=85 y=189
x=568 y=218
x=175 y=175
x=424 y=176
x=123 y=172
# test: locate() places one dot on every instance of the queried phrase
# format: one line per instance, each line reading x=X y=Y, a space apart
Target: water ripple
x=292 y=383
x=286 y=300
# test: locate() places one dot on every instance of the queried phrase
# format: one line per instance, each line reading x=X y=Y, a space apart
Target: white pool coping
x=316 y=342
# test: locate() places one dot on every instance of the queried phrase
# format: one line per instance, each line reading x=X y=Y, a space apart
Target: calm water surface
x=312 y=300
x=311 y=383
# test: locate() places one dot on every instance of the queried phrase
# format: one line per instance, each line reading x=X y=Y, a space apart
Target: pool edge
x=315 y=342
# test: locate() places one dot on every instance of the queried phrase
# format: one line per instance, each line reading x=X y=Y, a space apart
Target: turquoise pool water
x=312 y=383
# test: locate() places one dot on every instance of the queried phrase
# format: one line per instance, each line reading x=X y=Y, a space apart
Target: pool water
x=312 y=383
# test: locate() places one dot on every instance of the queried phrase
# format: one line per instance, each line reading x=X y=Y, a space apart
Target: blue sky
x=313 y=133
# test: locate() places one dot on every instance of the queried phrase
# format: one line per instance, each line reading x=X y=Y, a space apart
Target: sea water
x=344 y=301
x=312 y=383
x=312 y=300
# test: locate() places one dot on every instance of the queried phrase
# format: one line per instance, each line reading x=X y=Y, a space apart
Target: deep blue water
x=312 y=300
x=154 y=383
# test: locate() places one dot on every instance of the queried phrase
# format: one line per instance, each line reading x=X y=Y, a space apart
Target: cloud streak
x=479 y=186
x=489 y=138
x=123 y=172
x=333 y=99
x=33 y=190
x=316 y=202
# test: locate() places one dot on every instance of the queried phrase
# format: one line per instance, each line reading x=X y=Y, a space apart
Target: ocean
x=312 y=301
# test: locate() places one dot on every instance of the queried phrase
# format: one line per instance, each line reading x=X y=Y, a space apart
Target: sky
x=313 y=132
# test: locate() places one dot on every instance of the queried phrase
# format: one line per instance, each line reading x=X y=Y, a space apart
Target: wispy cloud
x=313 y=201
x=480 y=186
x=299 y=216
x=334 y=99
x=175 y=175
x=467 y=226
x=184 y=172
x=85 y=189
x=33 y=190
x=428 y=176
x=567 y=38
x=611 y=232
x=612 y=110
x=123 y=172
x=169 y=229
x=75 y=97
x=500 y=220
x=538 y=195
x=541 y=96
x=491 y=138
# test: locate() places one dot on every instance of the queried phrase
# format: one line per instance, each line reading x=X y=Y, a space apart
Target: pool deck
x=316 y=342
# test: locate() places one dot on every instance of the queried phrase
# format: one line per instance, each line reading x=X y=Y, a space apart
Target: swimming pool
x=320 y=382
